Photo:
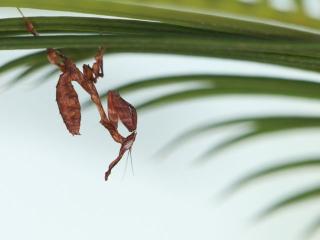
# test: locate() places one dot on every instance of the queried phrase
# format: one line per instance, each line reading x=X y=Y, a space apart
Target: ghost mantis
x=69 y=105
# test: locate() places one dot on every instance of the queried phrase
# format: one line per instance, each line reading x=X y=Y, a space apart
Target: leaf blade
x=301 y=197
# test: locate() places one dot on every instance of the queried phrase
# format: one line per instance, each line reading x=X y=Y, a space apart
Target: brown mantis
x=69 y=105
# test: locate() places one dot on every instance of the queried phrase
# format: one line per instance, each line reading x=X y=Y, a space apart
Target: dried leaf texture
x=56 y=58
x=98 y=65
x=124 y=111
x=88 y=73
x=29 y=25
x=90 y=88
x=112 y=111
x=68 y=103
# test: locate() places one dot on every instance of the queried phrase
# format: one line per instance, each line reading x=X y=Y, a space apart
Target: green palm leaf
x=15 y=26
x=147 y=11
x=311 y=229
x=273 y=170
x=295 y=54
x=33 y=58
x=256 y=9
x=217 y=85
x=259 y=126
x=298 y=198
x=23 y=75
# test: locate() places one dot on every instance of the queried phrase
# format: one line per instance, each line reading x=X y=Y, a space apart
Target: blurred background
x=52 y=185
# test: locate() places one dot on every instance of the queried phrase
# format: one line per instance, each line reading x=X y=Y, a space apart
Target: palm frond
x=298 y=198
x=33 y=58
x=262 y=9
x=83 y=25
x=273 y=170
x=217 y=85
x=259 y=126
x=311 y=229
x=157 y=11
x=24 y=74
x=294 y=54
x=290 y=166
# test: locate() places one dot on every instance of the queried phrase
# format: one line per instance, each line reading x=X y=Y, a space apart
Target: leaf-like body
x=112 y=111
x=68 y=103
x=125 y=111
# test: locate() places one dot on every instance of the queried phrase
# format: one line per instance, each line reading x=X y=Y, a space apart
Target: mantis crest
x=69 y=104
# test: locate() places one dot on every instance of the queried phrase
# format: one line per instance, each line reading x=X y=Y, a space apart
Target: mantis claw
x=125 y=146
